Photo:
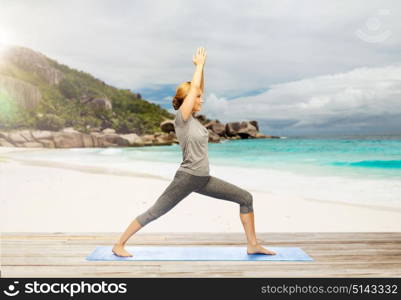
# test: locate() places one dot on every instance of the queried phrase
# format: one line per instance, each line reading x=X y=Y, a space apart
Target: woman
x=193 y=173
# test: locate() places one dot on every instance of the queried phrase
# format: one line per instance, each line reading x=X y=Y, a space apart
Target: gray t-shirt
x=193 y=138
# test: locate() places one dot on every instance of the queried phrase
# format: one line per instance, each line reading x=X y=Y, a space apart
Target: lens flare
x=6 y=40
x=8 y=108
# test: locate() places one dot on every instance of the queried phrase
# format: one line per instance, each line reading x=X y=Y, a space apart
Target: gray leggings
x=185 y=183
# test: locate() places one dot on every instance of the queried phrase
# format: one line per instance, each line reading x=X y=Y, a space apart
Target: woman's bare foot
x=258 y=248
x=119 y=250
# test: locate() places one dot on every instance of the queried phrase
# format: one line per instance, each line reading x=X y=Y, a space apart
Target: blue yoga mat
x=152 y=253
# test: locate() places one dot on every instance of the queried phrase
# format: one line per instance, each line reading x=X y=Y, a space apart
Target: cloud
x=250 y=44
x=360 y=98
x=288 y=46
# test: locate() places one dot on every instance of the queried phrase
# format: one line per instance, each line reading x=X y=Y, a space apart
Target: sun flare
x=6 y=39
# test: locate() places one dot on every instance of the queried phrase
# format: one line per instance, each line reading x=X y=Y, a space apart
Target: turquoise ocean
x=359 y=169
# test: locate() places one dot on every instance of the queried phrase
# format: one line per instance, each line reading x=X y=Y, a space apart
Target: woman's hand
x=200 y=57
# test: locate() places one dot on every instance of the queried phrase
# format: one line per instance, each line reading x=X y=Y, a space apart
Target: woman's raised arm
x=189 y=101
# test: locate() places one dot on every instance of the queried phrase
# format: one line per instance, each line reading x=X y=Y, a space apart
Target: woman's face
x=198 y=101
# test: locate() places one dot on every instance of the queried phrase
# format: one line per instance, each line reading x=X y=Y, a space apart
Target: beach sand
x=55 y=198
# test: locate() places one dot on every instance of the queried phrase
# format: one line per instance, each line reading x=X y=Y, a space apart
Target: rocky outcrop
x=33 y=62
x=165 y=139
x=5 y=143
x=219 y=131
x=216 y=127
x=247 y=130
x=213 y=137
x=255 y=123
x=70 y=138
x=232 y=128
x=167 y=126
x=97 y=103
x=36 y=64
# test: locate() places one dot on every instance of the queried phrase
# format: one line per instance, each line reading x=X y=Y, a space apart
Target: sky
x=297 y=67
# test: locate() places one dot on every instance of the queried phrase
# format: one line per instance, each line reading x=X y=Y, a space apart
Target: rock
x=5 y=143
x=87 y=140
x=33 y=62
x=4 y=135
x=41 y=134
x=216 y=127
x=213 y=137
x=95 y=140
x=133 y=139
x=67 y=140
x=244 y=129
x=100 y=103
x=27 y=135
x=16 y=137
x=165 y=139
x=148 y=137
x=167 y=126
x=247 y=130
x=115 y=139
x=232 y=128
x=255 y=123
x=108 y=130
x=158 y=142
x=47 y=143
x=201 y=118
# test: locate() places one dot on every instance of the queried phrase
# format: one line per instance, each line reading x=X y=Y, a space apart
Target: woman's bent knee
x=247 y=203
x=146 y=218
x=142 y=220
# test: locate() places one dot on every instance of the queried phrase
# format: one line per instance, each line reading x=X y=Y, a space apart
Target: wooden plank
x=337 y=254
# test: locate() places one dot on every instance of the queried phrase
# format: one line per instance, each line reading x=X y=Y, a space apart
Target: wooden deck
x=374 y=254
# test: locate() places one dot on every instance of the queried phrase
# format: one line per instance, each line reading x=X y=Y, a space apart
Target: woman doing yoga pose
x=193 y=173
